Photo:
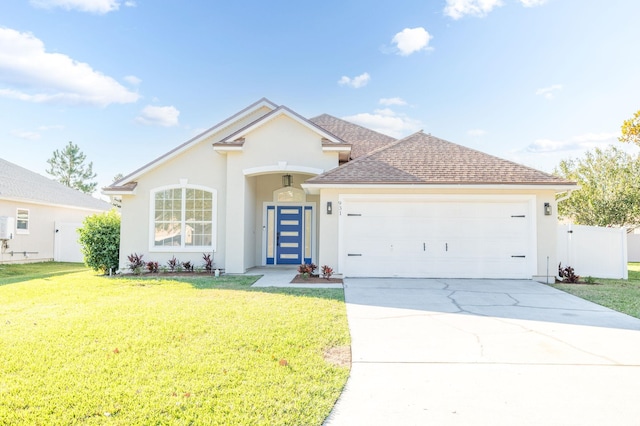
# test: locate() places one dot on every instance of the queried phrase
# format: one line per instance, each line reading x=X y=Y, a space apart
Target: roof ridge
x=495 y=156
x=380 y=149
x=366 y=156
x=351 y=124
x=425 y=159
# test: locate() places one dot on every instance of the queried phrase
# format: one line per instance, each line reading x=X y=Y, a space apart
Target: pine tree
x=67 y=167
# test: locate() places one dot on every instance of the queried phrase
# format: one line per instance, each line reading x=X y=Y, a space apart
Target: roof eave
x=111 y=192
x=126 y=189
x=228 y=147
x=314 y=187
x=332 y=147
x=52 y=204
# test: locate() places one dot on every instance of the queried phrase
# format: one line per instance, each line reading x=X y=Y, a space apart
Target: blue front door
x=289 y=235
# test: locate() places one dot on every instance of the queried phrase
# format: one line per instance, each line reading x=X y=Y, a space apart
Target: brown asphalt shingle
x=425 y=159
x=362 y=140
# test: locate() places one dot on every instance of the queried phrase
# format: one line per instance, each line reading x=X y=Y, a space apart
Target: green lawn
x=620 y=295
x=84 y=349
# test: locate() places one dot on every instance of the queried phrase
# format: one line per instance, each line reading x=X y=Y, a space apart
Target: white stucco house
x=267 y=186
x=40 y=216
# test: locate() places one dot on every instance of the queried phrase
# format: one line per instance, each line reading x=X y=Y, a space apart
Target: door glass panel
x=289 y=234
x=289 y=222
x=271 y=222
x=289 y=245
x=307 y=233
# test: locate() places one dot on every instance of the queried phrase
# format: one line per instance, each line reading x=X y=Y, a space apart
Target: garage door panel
x=437 y=239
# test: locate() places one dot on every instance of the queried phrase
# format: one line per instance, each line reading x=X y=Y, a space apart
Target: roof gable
x=20 y=184
x=253 y=108
x=425 y=159
x=278 y=112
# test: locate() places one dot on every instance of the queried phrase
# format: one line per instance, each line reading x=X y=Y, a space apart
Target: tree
x=631 y=129
x=67 y=167
x=99 y=238
x=609 y=193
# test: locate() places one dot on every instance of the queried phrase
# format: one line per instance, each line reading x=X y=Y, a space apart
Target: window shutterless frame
x=22 y=221
x=182 y=219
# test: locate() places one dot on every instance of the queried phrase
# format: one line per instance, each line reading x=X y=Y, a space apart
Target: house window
x=289 y=194
x=22 y=221
x=183 y=218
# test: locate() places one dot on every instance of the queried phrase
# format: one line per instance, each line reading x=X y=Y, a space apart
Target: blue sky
x=533 y=81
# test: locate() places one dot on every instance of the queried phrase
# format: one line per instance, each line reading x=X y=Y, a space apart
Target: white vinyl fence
x=593 y=251
x=633 y=247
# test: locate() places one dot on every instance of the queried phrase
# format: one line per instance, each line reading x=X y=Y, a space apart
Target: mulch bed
x=315 y=279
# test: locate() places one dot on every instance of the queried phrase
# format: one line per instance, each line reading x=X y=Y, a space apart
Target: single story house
x=267 y=186
x=39 y=217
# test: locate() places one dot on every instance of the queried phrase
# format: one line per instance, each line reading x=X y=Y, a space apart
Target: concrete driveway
x=486 y=352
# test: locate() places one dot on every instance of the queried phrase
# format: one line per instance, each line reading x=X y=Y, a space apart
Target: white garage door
x=465 y=238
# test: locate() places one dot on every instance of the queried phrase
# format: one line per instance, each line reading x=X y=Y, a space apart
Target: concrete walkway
x=486 y=352
x=281 y=276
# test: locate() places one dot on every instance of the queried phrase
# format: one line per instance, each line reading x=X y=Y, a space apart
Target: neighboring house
x=44 y=215
x=270 y=187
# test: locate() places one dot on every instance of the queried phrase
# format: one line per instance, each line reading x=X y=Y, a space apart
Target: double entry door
x=289 y=233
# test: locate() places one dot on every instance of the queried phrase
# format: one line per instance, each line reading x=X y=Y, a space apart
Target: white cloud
x=91 y=6
x=37 y=76
x=532 y=3
x=166 y=116
x=387 y=122
x=31 y=135
x=456 y=9
x=546 y=154
x=476 y=132
x=548 y=92
x=392 y=101
x=133 y=80
x=411 y=40
x=355 y=82
x=26 y=134
x=575 y=143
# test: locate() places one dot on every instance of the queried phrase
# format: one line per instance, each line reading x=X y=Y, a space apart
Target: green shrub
x=100 y=241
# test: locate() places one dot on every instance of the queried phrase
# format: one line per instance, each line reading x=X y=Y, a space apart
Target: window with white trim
x=22 y=221
x=183 y=218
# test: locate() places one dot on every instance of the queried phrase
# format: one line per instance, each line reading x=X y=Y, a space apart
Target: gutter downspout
x=566 y=197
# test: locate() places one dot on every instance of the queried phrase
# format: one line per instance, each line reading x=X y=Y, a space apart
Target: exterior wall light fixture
x=547 y=209
x=329 y=207
x=287 y=180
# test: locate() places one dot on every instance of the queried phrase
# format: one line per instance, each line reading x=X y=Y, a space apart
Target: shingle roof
x=425 y=159
x=362 y=140
x=19 y=183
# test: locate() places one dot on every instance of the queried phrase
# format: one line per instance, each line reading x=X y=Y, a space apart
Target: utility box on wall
x=7 y=224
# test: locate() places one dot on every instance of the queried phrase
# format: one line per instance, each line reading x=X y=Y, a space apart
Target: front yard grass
x=620 y=295
x=85 y=349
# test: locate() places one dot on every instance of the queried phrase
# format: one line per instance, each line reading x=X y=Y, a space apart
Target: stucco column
x=235 y=229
